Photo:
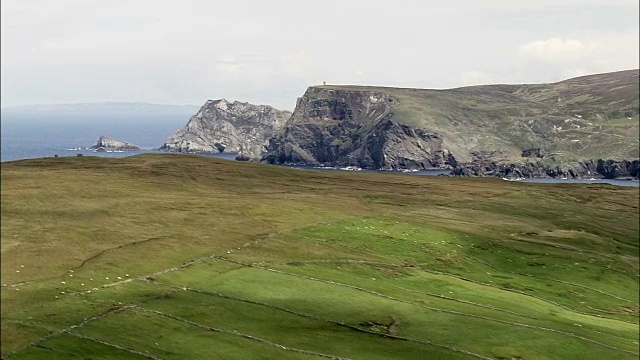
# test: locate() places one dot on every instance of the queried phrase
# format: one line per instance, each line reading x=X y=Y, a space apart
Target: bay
x=29 y=137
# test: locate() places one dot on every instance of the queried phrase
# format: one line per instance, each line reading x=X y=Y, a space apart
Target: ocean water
x=28 y=137
x=635 y=183
x=412 y=172
x=444 y=172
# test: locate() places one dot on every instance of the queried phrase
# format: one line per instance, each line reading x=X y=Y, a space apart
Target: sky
x=269 y=52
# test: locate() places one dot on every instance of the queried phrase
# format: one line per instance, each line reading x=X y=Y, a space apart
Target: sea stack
x=108 y=144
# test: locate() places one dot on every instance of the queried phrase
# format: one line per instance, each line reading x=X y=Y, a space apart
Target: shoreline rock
x=222 y=126
x=536 y=130
x=586 y=169
x=108 y=144
x=342 y=128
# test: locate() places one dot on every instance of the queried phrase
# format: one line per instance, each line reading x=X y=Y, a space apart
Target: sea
x=28 y=137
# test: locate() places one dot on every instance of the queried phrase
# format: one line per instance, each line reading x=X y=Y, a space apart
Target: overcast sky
x=269 y=52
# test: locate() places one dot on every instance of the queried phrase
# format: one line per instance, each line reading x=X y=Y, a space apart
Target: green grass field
x=176 y=257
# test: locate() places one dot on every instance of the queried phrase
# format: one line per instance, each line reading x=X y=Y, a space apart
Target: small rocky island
x=108 y=144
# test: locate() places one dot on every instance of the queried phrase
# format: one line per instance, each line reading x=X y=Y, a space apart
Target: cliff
x=608 y=169
x=562 y=124
x=221 y=126
x=354 y=128
x=108 y=144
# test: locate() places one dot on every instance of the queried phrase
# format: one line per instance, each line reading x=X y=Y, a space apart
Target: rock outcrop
x=108 y=144
x=559 y=129
x=607 y=169
x=354 y=128
x=223 y=126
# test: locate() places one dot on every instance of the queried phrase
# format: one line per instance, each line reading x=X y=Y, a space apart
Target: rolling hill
x=165 y=256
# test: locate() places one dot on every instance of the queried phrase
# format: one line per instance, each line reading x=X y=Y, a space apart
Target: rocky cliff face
x=354 y=128
x=107 y=144
x=221 y=126
x=553 y=129
x=607 y=169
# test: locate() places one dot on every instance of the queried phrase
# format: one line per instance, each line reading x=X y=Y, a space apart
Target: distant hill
x=113 y=108
x=586 y=118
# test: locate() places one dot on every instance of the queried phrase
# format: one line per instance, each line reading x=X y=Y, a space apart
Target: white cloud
x=595 y=53
x=295 y=64
x=231 y=69
x=555 y=49
x=476 y=77
x=572 y=73
x=227 y=59
x=198 y=49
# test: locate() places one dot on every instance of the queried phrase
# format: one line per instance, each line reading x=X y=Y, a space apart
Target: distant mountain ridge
x=112 y=107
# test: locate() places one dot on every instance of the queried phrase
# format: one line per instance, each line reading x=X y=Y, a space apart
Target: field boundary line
x=92 y=257
x=437 y=272
x=514 y=291
x=482 y=305
x=71 y=327
x=237 y=333
x=313 y=317
x=133 y=351
x=549 y=279
x=437 y=309
x=102 y=252
x=183 y=265
x=512 y=238
x=423 y=292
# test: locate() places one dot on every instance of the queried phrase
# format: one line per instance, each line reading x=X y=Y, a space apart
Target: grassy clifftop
x=176 y=257
x=589 y=117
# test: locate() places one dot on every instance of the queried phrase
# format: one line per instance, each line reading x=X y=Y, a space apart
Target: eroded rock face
x=558 y=129
x=354 y=128
x=223 y=126
x=607 y=169
x=108 y=144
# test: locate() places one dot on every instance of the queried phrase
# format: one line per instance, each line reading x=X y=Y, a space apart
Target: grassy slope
x=517 y=117
x=188 y=257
